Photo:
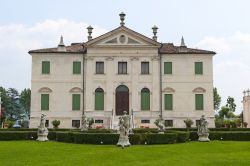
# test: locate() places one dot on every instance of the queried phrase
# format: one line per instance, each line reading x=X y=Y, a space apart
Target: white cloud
x=17 y=39
x=231 y=64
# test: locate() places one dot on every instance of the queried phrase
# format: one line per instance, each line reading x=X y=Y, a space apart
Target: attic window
x=122 y=39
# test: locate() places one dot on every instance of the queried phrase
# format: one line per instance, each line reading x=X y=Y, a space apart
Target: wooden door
x=122 y=101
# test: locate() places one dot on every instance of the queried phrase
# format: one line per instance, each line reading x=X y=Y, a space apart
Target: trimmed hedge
x=135 y=139
x=182 y=136
x=230 y=136
x=20 y=135
x=64 y=137
x=145 y=130
x=99 y=131
x=91 y=138
x=167 y=138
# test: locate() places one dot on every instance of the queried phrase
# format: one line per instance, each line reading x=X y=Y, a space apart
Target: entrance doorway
x=121 y=99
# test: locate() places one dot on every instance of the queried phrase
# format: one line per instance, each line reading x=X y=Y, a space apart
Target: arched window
x=99 y=99
x=145 y=99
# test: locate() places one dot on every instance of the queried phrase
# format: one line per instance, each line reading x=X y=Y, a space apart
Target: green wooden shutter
x=76 y=67
x=167 y=67
x=44 y=101
x=99 y=100
x=199 y=102
x=168 y=101
x=76 y=101
x=45 y=67
x=145 y=100
x=198 y=68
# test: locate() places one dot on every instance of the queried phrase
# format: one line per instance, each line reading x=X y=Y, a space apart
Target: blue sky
x=219 y=25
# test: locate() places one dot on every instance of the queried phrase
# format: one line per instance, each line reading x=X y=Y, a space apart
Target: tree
x=25 y=100
x=13 y=111
x=217 y=99
x=230 y=104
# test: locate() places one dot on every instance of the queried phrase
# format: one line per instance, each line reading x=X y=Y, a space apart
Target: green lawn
x=214 y=153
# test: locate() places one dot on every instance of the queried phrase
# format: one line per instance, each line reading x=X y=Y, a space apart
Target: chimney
x=61 y=46
x=183 y=47
x=90 y=28
x=155 y=28
x=122 y=18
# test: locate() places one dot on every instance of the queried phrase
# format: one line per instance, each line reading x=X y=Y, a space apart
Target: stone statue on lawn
x=124 y=127
x=203 y=131
x=42 y=132
x=160 y=124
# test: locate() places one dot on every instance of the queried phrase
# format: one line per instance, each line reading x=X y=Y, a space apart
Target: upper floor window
x=198 y=68
x=167 y=67
x=99 y=67
x=144 y=67
x=45 y=67
x=76 y=67
x=122 y=67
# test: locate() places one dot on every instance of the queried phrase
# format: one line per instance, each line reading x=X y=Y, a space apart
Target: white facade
x=110 y=49
x=246 y=107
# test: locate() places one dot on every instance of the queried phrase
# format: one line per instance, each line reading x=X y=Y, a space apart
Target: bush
x=182 y=136
x=193 y=136
x=52 y=135
x=188 y=123
x=18 y=135
x=64 y=137
x=135 y=139
x=94 y=138
x=230 y=135
x=56 y=123
x=145 y=130
x=99 y=131
x=167 y=138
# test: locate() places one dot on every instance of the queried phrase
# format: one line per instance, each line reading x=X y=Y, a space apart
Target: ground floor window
x=98 y=121
x=169 y=123
x=76 y=123
x=145 y=121
x=76 y=101
x=44 y=101
x=197 y=122
x=47 y=123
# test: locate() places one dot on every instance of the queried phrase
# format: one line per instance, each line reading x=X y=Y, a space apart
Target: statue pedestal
x=123 y=141
x=42 y=134
x=204 y=137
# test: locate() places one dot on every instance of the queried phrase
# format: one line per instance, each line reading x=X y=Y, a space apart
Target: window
x=168 y=101
x=145 y=121
x=167 y=67
x=145 y=99
x=98 y=121
x=144 y=67
x=99 y=67
x=199 y=102
x=76 y=101
x=99 y=99
x=197 y=122
x=76 y=123
x=198 y=68
x=76 y=67
x=45 y=67
x=169 y=123
x=122 y=67
x=47 y=123
x=44 y=101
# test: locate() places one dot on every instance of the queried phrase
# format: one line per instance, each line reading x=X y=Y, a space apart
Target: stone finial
x=122 y=18
x=155 y=28
x=183 y=42
x=244 y=93
x=90 y=28
x=248 y=92
x=61 y=46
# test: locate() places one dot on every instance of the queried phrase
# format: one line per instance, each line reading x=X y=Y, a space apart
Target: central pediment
x=122 y=37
